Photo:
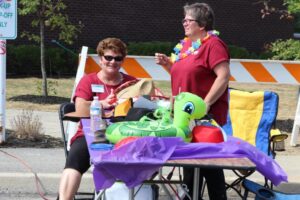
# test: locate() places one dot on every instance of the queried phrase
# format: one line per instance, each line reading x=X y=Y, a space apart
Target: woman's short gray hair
x=202 y=13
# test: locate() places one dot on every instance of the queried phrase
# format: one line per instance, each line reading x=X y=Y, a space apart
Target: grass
x=24 y=93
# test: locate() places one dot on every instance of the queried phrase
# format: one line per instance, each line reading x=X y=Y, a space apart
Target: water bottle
x=95 y=114
x=98 y=125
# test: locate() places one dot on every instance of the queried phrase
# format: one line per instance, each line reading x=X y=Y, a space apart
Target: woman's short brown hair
x=202 y=13
x=114 y=44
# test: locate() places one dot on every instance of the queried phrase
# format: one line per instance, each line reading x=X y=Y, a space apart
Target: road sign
x=8 y=19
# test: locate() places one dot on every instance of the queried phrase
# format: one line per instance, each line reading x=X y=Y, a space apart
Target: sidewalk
x=17 y=182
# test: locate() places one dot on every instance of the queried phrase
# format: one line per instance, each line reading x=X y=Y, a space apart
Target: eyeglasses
x=188 y=21
x=117 y=58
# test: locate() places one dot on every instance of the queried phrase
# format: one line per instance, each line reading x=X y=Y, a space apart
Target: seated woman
x=112 y=52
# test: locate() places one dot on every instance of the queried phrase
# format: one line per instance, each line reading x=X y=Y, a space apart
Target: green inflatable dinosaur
x=187 y=107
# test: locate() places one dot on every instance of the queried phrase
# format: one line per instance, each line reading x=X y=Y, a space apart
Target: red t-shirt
x=84 y=90
x=195 y=74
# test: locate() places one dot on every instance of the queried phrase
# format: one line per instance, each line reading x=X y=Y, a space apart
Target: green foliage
x=92 y=51
x=285 y=49
x=266 y=55
x=51 y=84
x=150 y=48
x=238 y=52
x=293 y=6
x=49 y=13
x=31 y=37
x=59 y=62
x=297 y=23
x=25 y=60
x=242 y=53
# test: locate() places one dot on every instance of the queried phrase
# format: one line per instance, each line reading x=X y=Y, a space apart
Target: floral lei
x=195 y=45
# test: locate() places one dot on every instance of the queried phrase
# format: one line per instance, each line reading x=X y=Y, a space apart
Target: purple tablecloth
x=137 y=161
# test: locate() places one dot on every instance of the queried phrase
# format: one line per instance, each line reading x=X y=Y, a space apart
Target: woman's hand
x=162 y=59
x=219 y=86
x=110 y=100
x=207 y=106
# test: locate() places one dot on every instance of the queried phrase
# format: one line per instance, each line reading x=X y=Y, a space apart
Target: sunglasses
x=117 y=58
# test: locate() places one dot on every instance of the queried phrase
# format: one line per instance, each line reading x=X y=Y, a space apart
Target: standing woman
x=111 y=52
x=200 y=65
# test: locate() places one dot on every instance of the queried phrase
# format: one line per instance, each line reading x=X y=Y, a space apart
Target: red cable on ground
x=38 y=182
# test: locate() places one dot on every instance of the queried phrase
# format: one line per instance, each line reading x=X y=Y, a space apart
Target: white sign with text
x=8 y=19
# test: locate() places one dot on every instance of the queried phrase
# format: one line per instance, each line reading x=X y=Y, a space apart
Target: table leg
x=196 y=183
x=131 y=193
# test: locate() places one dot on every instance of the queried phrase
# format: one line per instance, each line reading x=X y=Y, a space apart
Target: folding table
x=242 y=163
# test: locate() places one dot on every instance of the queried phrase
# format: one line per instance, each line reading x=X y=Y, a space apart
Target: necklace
x=195 y=45
x=114 y=82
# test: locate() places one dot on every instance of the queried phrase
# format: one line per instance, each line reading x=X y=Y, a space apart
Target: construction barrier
x=242 y=70
x=248 y=71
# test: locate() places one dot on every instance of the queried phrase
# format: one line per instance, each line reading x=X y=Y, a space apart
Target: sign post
x=8 y=30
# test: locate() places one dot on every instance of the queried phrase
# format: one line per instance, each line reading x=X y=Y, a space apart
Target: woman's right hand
x=110 y=100
x=162 y=59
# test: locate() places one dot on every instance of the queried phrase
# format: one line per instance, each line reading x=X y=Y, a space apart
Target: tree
x=289 y=10
x=48 y=13
x=284 y=49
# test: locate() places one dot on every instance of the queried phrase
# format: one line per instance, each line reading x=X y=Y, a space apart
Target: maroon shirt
x=84 y=90
x=195 y=74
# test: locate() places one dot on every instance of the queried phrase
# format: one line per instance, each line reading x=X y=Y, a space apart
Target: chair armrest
x=72 y=119
x=277 y=141
x=277 y=136
x=66 y=111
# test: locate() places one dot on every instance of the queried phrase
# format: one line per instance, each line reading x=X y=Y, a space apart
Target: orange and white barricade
x=242 y=70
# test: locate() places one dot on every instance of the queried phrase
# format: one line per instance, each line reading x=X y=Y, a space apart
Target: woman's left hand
x=219 y=86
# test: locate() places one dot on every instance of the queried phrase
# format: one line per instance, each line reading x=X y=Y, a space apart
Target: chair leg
x=245 y=194
x=203 y=188
x=101 y=195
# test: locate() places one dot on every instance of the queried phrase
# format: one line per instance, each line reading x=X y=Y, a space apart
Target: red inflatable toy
x=125 y=141
x=210 y=134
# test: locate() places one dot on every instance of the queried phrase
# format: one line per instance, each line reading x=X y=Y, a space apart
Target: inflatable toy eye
x=189 y=108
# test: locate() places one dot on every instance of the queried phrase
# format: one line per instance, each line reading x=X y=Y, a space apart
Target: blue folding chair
x=263 y=193
x=251 y=117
